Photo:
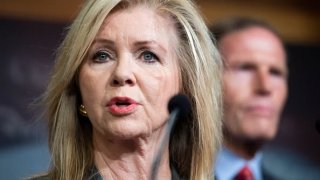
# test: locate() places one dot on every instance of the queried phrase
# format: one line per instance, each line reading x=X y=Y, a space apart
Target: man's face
x=255 y=83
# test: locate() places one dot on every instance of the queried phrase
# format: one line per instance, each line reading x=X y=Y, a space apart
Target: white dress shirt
x=228 y=164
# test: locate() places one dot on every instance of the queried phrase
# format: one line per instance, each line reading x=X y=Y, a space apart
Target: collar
x=228 y=164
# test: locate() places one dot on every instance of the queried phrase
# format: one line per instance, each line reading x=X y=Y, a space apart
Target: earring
x=83 y=111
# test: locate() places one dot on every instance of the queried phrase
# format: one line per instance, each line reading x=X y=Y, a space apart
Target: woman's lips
x=121 y=106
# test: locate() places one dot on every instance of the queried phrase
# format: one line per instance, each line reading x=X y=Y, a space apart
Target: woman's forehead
x=139 y=24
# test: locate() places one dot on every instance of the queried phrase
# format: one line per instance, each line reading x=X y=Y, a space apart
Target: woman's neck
x=123 y=159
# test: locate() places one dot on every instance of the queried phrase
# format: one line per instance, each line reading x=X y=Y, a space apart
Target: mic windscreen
x=182 y=103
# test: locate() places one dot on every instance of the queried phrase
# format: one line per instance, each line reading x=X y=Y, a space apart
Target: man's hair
x=227 y=26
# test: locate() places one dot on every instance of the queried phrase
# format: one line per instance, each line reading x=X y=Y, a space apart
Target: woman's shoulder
x=40 y=177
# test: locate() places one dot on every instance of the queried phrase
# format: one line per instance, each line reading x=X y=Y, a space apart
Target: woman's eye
x=149 y=57
x=101 y=56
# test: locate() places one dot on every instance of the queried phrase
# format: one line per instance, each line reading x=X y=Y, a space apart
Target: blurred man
x=255 y=91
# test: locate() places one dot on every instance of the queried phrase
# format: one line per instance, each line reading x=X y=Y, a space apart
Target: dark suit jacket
x=281 y=164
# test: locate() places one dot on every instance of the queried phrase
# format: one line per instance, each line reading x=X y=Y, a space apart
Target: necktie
x=244 y=174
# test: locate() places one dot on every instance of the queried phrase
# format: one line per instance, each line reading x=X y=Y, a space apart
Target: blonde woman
x=115 y=72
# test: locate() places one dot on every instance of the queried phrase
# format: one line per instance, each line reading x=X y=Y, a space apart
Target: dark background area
x=27 y=54
x=297 y=129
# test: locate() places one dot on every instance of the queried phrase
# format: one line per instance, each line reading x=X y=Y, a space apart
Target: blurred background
x=31 y=30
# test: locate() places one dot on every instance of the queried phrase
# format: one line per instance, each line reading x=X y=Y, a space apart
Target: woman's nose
x=123 y=74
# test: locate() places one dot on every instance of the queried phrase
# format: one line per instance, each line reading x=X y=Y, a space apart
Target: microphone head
x=181 y=103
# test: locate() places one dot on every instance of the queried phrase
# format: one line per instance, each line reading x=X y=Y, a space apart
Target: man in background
x=255 y=91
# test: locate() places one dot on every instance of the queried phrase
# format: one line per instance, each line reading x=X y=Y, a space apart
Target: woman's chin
x=128 y=131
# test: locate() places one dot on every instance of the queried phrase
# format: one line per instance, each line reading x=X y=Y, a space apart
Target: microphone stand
x=171 y=121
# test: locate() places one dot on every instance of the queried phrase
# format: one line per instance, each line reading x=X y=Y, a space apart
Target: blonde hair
x=194 y=142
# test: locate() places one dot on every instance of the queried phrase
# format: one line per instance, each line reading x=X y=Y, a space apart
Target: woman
x=118 y=66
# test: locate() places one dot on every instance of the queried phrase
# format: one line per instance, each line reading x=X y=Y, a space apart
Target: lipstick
x=121 y=106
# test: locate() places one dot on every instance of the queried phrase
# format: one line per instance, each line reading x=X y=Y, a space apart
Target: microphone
x=179 y=107
x=317 y=124
x=180 y=103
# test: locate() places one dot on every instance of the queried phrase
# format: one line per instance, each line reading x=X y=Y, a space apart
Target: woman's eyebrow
x=150 y=43
x=103 y=41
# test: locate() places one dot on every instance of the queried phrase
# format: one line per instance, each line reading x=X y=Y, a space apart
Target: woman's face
x=130 y=73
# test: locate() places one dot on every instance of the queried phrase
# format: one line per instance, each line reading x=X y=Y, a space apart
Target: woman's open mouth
x=120 y=106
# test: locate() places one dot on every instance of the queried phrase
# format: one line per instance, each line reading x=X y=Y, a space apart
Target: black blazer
x=281 y=164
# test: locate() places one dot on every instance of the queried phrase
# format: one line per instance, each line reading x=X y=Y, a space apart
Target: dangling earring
x=83 y=111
